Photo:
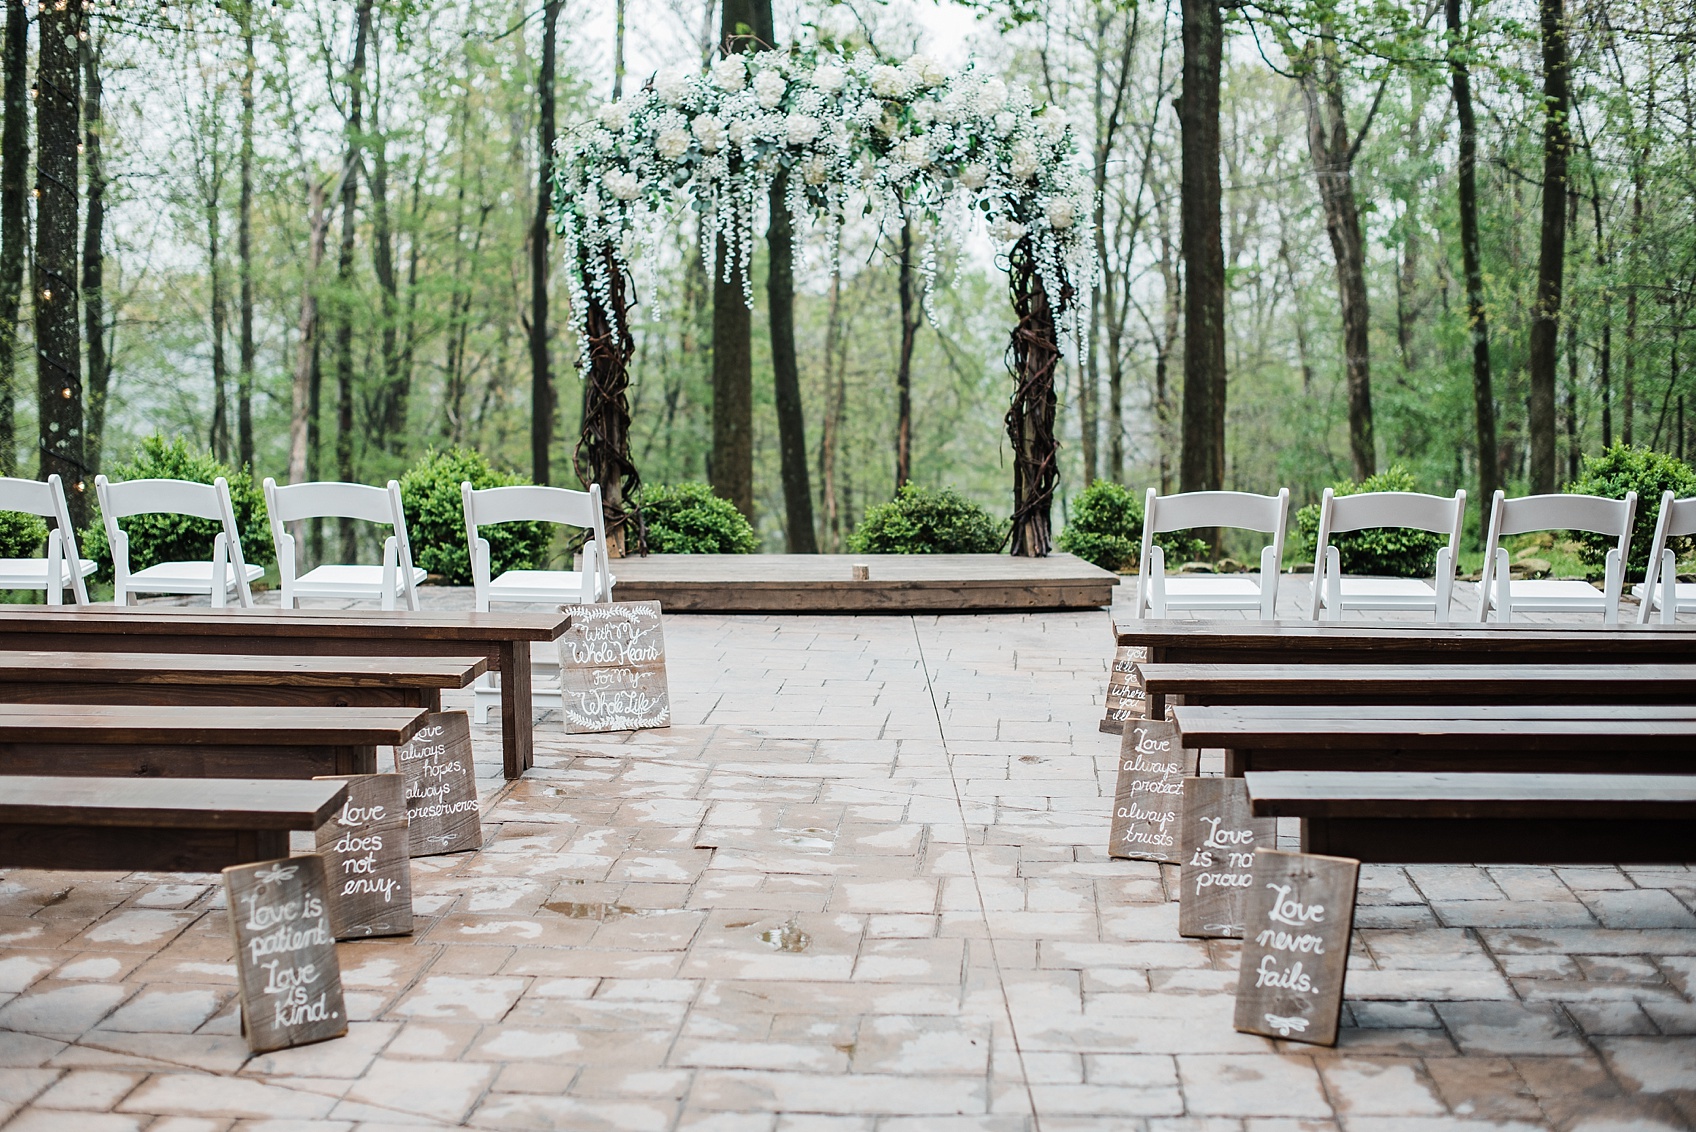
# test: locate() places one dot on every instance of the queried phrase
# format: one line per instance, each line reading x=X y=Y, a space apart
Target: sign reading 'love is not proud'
x=290 y=982
x=1218 y=839
x=1152 y=766
x=441 y=786
x=367 y=858
x=1296 y=946
x=612 y=668
x=1125 y=697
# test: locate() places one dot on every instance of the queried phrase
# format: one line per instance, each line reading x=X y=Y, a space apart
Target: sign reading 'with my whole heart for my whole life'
x=612 y=668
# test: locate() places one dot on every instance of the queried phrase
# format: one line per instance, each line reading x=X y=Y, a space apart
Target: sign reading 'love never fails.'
x=291 y=984
x=1296 y=946
x=612 y=668
x=1152 y=766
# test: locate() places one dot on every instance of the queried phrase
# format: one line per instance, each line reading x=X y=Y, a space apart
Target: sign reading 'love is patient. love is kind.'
x=290 y=982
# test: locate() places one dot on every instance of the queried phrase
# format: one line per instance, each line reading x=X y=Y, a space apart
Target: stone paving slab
x=861 y=884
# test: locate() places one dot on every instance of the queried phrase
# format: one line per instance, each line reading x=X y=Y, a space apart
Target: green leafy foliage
x=687 y=518
x=1393 y=552
x=1105 y=527
x=921 y=521
x=179 y=538
x=1627 y=467
x=22 y=535
x=435 y=518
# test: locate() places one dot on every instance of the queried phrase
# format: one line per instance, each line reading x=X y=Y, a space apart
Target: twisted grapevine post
x=1032 y=356
x=603 y=448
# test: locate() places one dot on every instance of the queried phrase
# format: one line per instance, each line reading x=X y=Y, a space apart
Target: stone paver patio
x=861 y=884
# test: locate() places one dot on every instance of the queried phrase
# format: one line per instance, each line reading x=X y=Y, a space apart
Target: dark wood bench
x=166 y=825
x=1212 y=685
x=277 y=681
x=1304 y=642
x=1572 y=738
x=197 y=742
x=1538 y=818
x=503 y=638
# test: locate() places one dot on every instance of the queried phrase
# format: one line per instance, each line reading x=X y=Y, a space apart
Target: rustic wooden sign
x=441 y=786
x=290 y=982
x=367 y=858
x=1218 y=837
x=1296 y=946
x=1125 y=697
x=612 y=668
x=1152 y=766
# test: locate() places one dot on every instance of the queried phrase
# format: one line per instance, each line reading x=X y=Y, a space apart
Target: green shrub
x=687 y=518
x=1393 y=552
x=435 y=518
x=22 y=535
x=178 y=538
x=1623 y=468
x=1105 y=528
x=921 y=521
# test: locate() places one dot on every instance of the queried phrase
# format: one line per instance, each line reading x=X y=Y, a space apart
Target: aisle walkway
x=860 y=884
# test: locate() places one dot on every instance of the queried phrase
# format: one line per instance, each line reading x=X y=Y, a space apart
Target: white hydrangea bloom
x=673 y=86
x=867 y=113
x=1005 y=230
x=709 y=131
x=974 y=176
x=730 y=73
x=924 y=71
x=1022 y=163
x=830 y=78
x=925 y=111
x=1052 y=123
x=615 y=116
x=739 y=131
x=672 y=144
x=769 y=88
x=1004 y=124
x=815 y=170
x=890 y=82
x=1061 y=213
x=799 y=129
x=991 y=96
x=622 y=185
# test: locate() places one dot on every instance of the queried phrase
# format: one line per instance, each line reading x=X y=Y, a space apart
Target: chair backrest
x=1677 y=518
x=1592 y=513
x=47 y=501
x=153 y=497
x=289 y=503
x=1339 y=514
x=581 y=509
x=1240 y=510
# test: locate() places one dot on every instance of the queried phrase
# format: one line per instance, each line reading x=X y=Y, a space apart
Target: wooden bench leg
x=518 y=738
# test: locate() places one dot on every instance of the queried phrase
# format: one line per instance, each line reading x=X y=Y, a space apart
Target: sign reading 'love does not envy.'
x=1146 y=803
x=367 y=859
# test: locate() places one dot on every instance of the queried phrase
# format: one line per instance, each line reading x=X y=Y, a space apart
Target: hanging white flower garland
x=910 y=137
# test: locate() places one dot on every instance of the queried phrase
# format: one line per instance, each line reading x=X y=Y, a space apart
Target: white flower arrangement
x=920 y=141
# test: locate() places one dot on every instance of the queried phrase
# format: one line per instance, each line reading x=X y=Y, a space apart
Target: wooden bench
x=1539 y=818
x=1212 y=685
x=277 y=681
x=197 y=742
x=166 y=825
x=504 y=639
x=1573 y=738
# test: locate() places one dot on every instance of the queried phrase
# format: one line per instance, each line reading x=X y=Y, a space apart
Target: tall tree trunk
x=541 y=361
x=1628 y=394
x=14 y=213
x=304 y=403
x=93 y=261
x=220 y=437
x=58 y=338
x=1171 y=309
x=1333 y=165
x=910 y=314
x=1604 y=353
x=1483 y=392
x=786 y=376
x=732 y=472
x=344 y=266
x=389 y=418
x=618 y=50
x=1203 y=463
x=832 y=414
x=244 y=247
x=1572 y=445
x=1551 y=254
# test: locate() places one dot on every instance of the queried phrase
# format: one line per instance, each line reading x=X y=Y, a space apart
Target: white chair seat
x=346 y=581
x=539 y=585
x=31 y=573
x=1387 y=593
x=1554 y=595
x=186 y=578
x=1239 y=591
x=1685 y=591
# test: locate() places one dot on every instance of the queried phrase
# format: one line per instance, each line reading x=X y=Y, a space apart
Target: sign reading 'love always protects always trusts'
x=1152 y=766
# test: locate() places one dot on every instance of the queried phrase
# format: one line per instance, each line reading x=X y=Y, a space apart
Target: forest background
x=324 y=277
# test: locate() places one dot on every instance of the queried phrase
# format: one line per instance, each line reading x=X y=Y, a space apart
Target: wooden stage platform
x=824 y=583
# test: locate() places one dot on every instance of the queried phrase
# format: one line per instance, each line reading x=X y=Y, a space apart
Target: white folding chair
x=1158 y=595
x=1500 y=594
x=1340 y=514
x=1678 y=518
x=296 y=502
x=62 y=567
x=582 y=509
x=226 y=571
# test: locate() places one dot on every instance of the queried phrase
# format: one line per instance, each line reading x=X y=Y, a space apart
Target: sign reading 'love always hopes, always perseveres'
x=1219 y=835
x=612 y=668
x=367 y=858
x=290 y=982
x=1152 y=766
x=1296 y=946
x=441 y=786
